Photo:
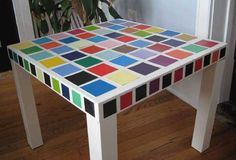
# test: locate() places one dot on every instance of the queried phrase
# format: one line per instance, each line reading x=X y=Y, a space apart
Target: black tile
x=21 y=61
x=166 y=80
x=109 y=108
x=188 y=69
x=114 y=35
x=156 y=38
x=141 y=92
x=81 y=78
x=89 y=107
x=32 y=68
x=207 y=60
x=47 y=79
x=222 y=53
x=15 y=58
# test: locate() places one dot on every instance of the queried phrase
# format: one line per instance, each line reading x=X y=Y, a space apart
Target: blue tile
x=66 y=69
x=69 y=40
x=73 y=55
x=97 y=39
x=174 y=43
x=117 y=21
x=41 y=55
x=123 y=61
x=62 y=49
x=108 y=55
x=42 y=40
x=116 y=27
x=169 y=33
x=98 y=87
x=65 y=91
x=114 y=35
x=140 y=43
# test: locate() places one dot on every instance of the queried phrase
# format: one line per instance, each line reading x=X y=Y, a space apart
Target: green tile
x=142 y=33
x=39 y=74
x=56 y=85
x=91 y=28
x=26 y=65
x=76 y=98
x=31 y=50
x=194 y=48
x=88 y=62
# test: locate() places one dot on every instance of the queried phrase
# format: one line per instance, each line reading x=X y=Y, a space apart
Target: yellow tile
x=23 y=45
x=122 y=77
x=51 y=62
x=80 y=44
x=185 y=37
x=155 y=30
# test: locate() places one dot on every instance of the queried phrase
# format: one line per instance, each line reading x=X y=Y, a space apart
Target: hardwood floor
x=157 y=129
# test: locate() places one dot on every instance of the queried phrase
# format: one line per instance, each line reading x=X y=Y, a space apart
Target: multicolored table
x=107 y=68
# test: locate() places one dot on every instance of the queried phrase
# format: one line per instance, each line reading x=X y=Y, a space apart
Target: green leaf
x=101 y=14
x=55 y=22
x=49 y=5
x=114 y=13
x=66 y=25
x=44 y=26
x=88 y=6
x=65 y=4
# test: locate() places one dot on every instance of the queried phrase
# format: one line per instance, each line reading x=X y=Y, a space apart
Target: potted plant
x=57 y=14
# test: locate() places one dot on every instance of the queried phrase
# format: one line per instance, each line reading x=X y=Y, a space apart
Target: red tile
x=126 y=100
x=206 y=43
x=102 y=69
x=126 y=38
x=50 y=45
x=76 y=31
x=198 y=65
x=85 y=35
x=92 y=49
x=215 y=56
x=141 y=26
x=159 y=47
x=178 y=75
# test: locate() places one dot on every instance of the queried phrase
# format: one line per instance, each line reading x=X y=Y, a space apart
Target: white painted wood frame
x=27 y=105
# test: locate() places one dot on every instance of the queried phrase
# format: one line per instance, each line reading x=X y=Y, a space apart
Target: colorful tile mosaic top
x=115 y=64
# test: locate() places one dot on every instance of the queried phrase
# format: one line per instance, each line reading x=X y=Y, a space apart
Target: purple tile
x=105 y=24
x=162 y=60
x=173 y=42
x=129 y=24
x=154 y=86
x=144 y=68
x=73 y=55
x=143 y=54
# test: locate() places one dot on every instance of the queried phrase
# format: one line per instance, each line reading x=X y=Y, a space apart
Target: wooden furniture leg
x=27 y=106
x=102 y=138
x=207 y=105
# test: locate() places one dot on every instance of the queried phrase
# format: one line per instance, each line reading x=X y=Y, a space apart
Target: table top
x=114 y=65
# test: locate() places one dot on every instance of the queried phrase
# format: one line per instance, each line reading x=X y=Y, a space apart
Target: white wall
x=178 y=15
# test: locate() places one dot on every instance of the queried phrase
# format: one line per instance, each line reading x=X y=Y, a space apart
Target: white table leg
x=102 y=138
x=27 y=106
x=207 y=105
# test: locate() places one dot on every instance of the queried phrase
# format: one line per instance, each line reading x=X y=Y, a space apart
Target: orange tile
x=179 y=54
x=50 y=45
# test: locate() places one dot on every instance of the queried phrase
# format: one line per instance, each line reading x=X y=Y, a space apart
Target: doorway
x=8 y=32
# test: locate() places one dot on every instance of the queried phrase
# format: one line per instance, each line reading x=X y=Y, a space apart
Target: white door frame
x=214 y=20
